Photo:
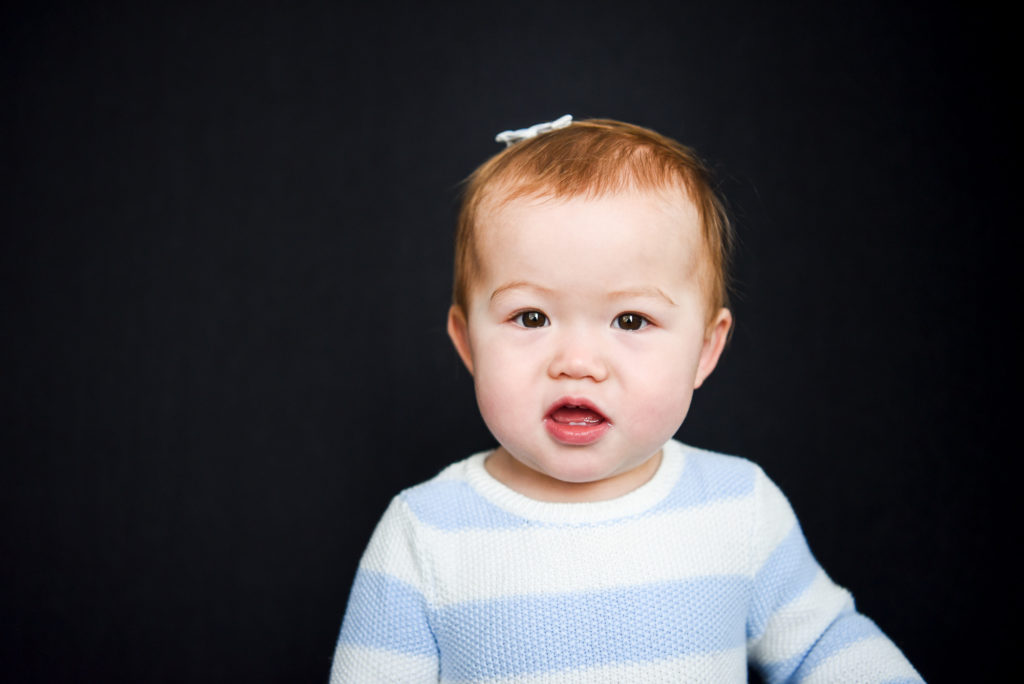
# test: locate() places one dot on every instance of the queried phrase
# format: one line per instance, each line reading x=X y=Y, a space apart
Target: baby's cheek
x=661 y=416
x=660 y=404
x=495 y=396
x=489 y=400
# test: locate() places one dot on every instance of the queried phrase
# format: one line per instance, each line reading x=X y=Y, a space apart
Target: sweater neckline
x=644 y=497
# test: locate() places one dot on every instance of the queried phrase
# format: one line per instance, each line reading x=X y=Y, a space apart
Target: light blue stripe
x=517 y=636
x=786 y=574
x=849 y=628
x=709 y=477
x=454 y=505
x=384 y=612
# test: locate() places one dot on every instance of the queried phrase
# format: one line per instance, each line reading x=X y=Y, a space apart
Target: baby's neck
x=520 y=478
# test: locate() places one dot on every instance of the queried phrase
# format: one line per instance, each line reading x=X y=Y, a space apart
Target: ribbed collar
x=633 y=503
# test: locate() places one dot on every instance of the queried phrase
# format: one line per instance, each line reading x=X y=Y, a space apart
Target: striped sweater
x=684 y=579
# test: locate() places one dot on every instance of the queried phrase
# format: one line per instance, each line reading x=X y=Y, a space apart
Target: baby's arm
x=385 y=636
x=804 y=628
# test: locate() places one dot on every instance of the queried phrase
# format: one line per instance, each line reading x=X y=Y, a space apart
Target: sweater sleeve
x=386 y=634
x=803 y=627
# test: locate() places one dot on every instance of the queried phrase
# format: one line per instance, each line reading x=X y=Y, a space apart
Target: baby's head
x=589 y=303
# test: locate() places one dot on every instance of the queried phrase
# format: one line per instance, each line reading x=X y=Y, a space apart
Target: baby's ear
x=458 y=331
x=714 y=343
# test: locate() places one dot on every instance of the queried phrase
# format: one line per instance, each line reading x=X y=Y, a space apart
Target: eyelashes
x=628 y=320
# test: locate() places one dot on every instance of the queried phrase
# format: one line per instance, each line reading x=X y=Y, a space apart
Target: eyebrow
x=652 y=292
x=520 y=285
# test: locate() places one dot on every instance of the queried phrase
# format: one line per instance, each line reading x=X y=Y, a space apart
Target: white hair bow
x=512 y=137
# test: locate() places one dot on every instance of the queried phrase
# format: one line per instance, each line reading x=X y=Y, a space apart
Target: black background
x=226 y=267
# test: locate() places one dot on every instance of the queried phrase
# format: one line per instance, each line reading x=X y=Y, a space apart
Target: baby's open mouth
x=576 y=415
x=575 y=422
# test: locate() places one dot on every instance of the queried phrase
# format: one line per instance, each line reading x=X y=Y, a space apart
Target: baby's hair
x=593 y=158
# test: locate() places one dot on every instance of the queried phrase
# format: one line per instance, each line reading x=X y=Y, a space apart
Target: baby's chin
x=575 y=479
x=583 y=475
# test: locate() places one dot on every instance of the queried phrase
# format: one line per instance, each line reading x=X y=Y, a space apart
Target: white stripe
x=713 y=668
x=357 y=664
x=796 y=625
x=775 y=519
x=862 y=662
x=677 y=545
x=390 y=550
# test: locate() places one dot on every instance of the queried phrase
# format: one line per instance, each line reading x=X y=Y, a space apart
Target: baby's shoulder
x=451 y=481
x=712 y=472
x=450 y=501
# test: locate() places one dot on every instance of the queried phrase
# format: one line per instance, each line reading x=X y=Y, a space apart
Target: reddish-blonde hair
x=592 y=158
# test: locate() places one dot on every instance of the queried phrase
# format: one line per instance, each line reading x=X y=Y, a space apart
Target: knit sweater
x=684 y=579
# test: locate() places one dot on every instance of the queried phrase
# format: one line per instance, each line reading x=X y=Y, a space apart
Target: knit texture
x=684 y=579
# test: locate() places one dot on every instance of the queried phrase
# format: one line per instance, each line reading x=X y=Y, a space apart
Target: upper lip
x=577 y=402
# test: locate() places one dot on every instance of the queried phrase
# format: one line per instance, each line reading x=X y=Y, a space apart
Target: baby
x=589 y=546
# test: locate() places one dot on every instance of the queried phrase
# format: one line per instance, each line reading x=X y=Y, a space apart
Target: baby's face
x=586 y=336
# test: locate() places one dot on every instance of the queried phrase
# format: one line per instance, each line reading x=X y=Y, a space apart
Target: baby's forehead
x=640 y=227
x=504 y=208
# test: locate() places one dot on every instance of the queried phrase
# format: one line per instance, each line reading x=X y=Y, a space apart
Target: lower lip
x=576 y=435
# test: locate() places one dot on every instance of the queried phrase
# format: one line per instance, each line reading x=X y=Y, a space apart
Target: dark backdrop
x=226 y=266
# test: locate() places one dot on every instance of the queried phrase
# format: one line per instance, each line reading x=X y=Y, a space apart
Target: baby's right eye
x=531 y=319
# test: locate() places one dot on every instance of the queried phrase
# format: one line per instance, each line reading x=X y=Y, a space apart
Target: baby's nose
x=579 y=356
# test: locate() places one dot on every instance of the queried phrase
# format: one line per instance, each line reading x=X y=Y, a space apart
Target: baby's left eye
x=630 y=321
